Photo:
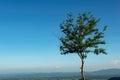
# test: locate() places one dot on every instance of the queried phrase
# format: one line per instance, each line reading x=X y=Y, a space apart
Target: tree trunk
x=82 y=69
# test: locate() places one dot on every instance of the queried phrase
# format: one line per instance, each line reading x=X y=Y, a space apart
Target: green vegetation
x=46 y=78
x=109 y=74
x=82 y=35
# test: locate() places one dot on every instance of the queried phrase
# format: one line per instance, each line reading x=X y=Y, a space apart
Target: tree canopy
x=82 y=35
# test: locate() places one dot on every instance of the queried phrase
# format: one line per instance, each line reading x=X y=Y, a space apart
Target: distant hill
x=106 y=73
x=101 y=74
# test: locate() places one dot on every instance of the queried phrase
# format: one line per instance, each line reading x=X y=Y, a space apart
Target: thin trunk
x=82 y=66
x=82 y=69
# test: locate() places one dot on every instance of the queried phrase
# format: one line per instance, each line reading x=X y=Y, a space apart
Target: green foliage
x=82 y=35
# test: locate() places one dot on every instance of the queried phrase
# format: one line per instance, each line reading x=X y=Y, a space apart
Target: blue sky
x=29 y=31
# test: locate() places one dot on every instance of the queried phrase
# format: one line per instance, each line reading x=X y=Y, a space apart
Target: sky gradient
x=29 y=31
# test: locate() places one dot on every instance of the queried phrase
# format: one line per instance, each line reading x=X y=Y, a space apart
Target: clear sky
x=29 y=31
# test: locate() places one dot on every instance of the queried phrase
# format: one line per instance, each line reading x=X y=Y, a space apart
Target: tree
x=81 y=36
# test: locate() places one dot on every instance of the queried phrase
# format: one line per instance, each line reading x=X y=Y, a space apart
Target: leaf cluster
x=81 y=35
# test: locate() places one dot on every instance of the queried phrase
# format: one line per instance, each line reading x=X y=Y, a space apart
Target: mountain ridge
x=100 y=73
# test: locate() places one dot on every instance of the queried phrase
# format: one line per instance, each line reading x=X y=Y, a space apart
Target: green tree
x=81 y=35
